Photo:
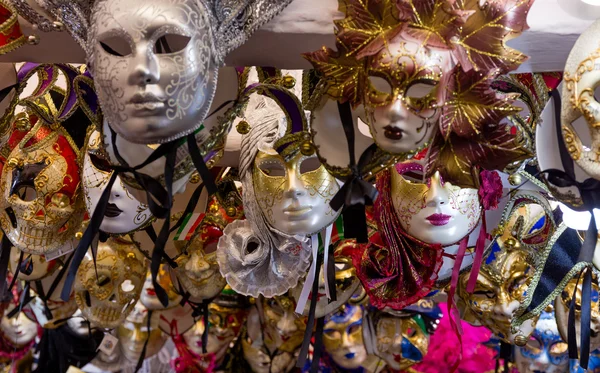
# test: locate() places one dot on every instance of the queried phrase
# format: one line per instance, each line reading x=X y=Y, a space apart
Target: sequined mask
x=580 y=81
x=561 y=309
x=41 y=203
x=106 y=300
x=435 y=212
x=124 y=213
x=401 y=342
x=283 y=329
x=343 y=337
x=545 y=351
x=294 y=194
x=153 y=65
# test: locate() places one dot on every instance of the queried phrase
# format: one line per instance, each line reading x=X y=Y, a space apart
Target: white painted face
x=18 y=330
x=153 y=64
x=402 y=94
x=546 y=351
x=436 y=212
x=37 y=264
x=124 y=213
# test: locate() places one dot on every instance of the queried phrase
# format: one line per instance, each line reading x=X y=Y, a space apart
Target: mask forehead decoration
x=107 y=299
x=198 y=268
x=580 y=79
x=124 y=213
x=545 y=351
x=41 y=197
x=523 y=231
x=268 y=253
x=198 y=33
x=410 y=63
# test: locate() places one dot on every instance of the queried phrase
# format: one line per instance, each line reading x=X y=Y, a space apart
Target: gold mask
x=294 y=195
x=284 y=329
x=392 y=331
x=132 y=337
x=343 y=337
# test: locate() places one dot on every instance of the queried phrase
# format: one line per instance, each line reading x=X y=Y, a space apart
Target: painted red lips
x=438 y=219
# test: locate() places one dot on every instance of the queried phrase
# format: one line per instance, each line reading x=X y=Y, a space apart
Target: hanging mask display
x=197 y=267
x=107 y=299
x=31 y=267
x=403 y=63
x=17 y=333
x=286 y=197
x=42 y=205
x=283 y=329
x=545 y=351
x=346 y=282
x=124 y=213
x=561 y=311
x=136 y=330
x=343 y=337
x=524 y=230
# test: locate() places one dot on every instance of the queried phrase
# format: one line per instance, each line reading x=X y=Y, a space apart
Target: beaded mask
x=545 y=351
x=42 y=205
x=343 y=337
x=405 y=62
x=124 y=213
x=580 y=80
x=505 y=275
x=106 y=300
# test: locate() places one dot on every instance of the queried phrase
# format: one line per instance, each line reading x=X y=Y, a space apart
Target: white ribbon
x=308 y=282
x=327 y=240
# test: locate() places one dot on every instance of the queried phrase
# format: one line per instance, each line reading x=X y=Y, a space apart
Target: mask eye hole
x=534 y=345
x=558 y=348
x=127 y=286
x=116 y=46
x=272 y=168
x=309 y=165
x=380 y=84
x=171 y=43
x=420 y=88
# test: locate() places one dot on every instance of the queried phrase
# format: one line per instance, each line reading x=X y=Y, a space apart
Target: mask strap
x=328 y=264
x=198 y=160
x=356 y=193
x=310 y=278
x=318 y=346
x=23 y=301
x=452 y=309
x=478 y=260
x=17 y=271
x=311 y=317
x=5 y=247
x=143 y=353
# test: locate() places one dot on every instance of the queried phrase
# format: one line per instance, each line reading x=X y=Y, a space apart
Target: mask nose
x=505 y=307
x=396 y=112
x=437 y=195
x=196 y=264
x=145 y=69
x=287 y=325
x=295 y=188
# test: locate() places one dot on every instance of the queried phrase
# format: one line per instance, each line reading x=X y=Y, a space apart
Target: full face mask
x=283 y=328
x=133 y=334
x=197 y=267
x=500 y=289
x=124 y=213
x=18 y=330
x=343 y=337
x=401 y=341
x=561 y=310
x=106 y=300
x=148 y=296
x=346 y=282
x=578 y=99
x=42 y=204
x=408 y=66
x=32 y=267
x=545 y=351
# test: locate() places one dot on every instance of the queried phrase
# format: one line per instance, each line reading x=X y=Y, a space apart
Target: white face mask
x=19 y=330
x=154 y=66
x=124 y=213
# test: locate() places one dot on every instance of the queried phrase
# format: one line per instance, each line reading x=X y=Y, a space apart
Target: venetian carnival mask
x=261 y=362
x=32 y=267
x=133 y=334
x=343 y=337
x=401 y=341
x=154 y=66
x=227 y=314
x=59 y=310
x=283 y=328
x=197 y=267
x=18 y=330
x=41 y=201
x=434 y=212
x=561 y=310
x=106 y=299
x=124 y=213
x=346 y=282
x=545 y=351
x=294 y=193
x=578 y=99
x=148 y=296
